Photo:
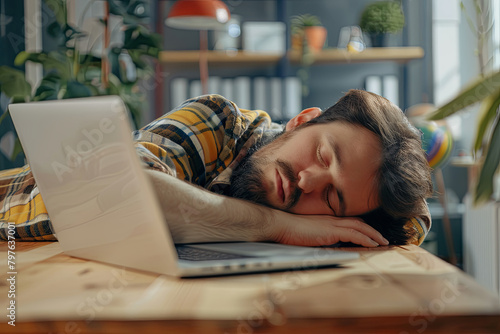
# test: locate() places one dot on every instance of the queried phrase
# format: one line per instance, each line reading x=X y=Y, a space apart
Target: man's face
x=319 y=169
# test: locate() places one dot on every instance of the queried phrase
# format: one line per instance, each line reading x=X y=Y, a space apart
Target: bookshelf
x=327 y=56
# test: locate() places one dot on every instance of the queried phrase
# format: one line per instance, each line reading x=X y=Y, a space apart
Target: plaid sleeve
x=21 y=207
x=199 y=139
x=194 y=142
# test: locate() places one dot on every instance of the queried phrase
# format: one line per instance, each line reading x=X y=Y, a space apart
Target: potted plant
x=381 y=18
x=71 y=72
x=487 y=141
x=308 y=34
x=308 y=37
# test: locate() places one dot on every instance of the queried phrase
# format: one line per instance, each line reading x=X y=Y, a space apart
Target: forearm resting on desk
x=197 y=215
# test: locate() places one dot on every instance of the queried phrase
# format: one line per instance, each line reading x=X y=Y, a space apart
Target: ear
x=305 y=116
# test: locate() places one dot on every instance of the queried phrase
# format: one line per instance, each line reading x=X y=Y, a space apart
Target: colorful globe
x=437 y=143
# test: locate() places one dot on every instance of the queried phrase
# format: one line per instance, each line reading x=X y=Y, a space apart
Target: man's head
x=359 y=156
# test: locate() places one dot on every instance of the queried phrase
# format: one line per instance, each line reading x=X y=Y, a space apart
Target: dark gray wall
x=418 y=32
x=327 y=83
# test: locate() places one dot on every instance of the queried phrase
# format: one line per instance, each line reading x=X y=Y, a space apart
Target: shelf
x=342 y=56
x=219 y=58
x=327 y=56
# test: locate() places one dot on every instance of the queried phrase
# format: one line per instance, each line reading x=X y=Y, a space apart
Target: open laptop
x=103 y=207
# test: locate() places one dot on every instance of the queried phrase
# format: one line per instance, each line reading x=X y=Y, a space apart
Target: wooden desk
x=389 y=290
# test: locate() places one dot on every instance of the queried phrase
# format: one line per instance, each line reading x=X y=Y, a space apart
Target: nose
x=313 y=178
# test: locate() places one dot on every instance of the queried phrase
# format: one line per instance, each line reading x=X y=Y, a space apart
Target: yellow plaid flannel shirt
x=201 y=141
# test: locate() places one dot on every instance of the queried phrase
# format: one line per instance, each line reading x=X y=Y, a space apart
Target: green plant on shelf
x=298 y=26
x=301 y=27
x=299 y=22
x=381 y=18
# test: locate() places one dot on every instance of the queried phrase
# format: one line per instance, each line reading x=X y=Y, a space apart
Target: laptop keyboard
x=198 y=254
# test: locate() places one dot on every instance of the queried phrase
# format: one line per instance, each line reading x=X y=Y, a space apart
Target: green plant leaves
x=13 y=84
x=75 y=89
x=382 y=17
x=65 y=33
x=49 y=87
x=486 y=116
x=484 y=187
x=17 y=149
x=72 y=33
x=306 y=20
x=59 y=9
x=130 y=94
x=53 y=60
x=132 y=11
x=3 y=116
x=54 y=30
x=72 y=73
x=139 y=38
x=485 y=89
x=472 y=94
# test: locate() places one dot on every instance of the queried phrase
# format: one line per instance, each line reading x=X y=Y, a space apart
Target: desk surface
x=388 y=290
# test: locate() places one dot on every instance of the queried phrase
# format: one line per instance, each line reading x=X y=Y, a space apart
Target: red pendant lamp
x=198 y=14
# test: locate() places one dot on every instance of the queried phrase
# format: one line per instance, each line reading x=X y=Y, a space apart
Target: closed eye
x=327 y=199
x=320 y=158
x=326 y=195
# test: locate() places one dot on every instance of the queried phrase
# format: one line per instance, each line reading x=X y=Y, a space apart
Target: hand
x=320 y=230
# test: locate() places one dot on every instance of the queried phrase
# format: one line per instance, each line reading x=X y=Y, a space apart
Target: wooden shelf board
x=327 y=56
x=342 y=56
x=169 y=58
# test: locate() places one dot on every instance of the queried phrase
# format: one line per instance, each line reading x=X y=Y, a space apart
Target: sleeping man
x=353 y=173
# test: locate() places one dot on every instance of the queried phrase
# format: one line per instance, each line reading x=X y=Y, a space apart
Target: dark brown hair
x=404 y=179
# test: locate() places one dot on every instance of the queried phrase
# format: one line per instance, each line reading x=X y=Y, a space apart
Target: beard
x=246 y=179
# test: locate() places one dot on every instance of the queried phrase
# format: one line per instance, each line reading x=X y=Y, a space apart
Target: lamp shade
x=197 y=14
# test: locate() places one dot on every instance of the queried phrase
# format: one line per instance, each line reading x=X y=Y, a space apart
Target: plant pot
x=378 y=40
x=315 y=37
x=297 y=42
